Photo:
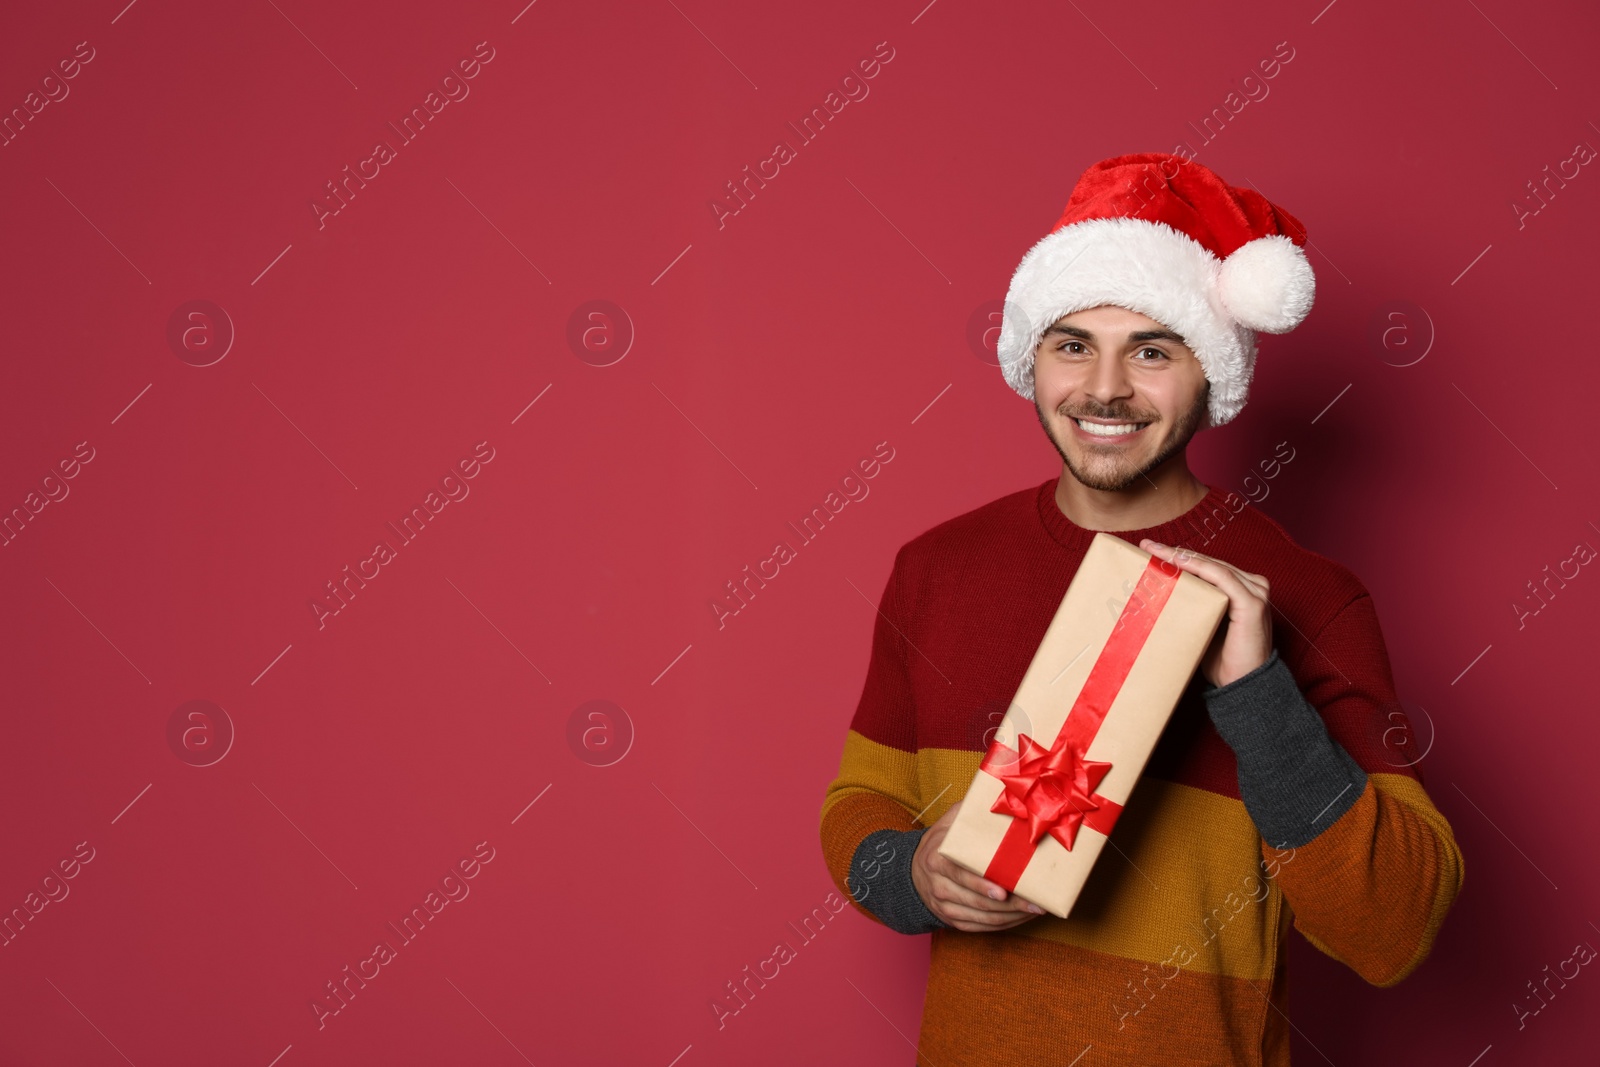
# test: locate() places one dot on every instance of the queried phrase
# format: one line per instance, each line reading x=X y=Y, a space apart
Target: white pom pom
x=1267 y=285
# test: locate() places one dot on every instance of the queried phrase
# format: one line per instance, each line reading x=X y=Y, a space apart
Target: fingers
x=1223 y=575
x=973 y=921
x=962 y=898
x=975 y=884
x=953 y=886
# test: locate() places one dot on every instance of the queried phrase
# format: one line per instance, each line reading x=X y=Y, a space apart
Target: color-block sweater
x=1290 y=795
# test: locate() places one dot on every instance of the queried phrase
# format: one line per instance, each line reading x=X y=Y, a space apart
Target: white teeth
x=1114 y=430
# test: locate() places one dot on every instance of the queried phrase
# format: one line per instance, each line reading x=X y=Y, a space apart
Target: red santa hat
x=1166 y=237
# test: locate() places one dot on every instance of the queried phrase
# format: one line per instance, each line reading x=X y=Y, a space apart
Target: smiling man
x=1284 y=791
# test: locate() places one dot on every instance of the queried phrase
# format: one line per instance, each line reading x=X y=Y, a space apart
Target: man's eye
x=1071 y=346
x=1153 y=351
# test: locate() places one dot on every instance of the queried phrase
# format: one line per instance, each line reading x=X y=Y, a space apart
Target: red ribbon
x=1052 y=790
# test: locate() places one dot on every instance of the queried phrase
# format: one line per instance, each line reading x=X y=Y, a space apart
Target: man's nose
x=1107 y=380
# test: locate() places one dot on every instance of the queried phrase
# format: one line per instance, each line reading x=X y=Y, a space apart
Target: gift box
x=1116 y=657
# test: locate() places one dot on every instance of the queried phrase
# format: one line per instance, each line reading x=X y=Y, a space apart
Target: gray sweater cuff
x=1294 y=779
x=880 y=881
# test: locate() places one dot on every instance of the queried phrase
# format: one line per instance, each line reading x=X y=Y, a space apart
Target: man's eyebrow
x=1070 y=331
x=1133 y=338
x=1157 y=335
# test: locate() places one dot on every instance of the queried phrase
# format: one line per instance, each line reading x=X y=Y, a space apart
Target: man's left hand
x=1245 y=640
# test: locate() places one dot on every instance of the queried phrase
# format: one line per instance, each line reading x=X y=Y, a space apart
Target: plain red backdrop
x=768 y=355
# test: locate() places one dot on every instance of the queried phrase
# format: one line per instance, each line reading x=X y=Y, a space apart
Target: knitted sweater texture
x=1291 y=796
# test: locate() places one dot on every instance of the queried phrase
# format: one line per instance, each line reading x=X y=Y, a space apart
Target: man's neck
x=1161 y=496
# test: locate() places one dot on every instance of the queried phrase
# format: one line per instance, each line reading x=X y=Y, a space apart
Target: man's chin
x=1106 y=469
x=1108 y=479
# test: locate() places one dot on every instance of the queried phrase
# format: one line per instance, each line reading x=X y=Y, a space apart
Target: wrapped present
x=1122 y=647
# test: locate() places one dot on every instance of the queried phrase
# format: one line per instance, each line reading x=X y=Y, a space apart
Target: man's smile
x=1108 y=432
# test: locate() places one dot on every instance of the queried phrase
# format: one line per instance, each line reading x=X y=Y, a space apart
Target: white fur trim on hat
x=1143 y=266
x=1267 y=284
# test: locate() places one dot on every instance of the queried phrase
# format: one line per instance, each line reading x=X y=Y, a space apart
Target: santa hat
x=1164 y=236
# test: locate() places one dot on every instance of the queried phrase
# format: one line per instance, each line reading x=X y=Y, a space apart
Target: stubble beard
x=1110 y=470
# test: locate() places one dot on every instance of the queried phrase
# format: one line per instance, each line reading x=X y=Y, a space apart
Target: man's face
x=1116 y=370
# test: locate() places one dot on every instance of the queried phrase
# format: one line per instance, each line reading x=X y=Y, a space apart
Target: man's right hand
x=958 y=897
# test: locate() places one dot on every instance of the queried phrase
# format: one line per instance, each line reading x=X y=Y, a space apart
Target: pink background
x=372 y=754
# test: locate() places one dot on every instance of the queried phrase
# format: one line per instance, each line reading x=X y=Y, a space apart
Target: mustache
x=1110 y=414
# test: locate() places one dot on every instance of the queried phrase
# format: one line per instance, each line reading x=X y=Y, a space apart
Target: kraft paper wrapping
x=1078 y=634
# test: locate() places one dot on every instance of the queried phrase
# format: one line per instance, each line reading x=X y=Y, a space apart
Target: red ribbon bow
x=1052 y=789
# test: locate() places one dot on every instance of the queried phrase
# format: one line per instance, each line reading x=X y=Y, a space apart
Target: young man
x=1284 y=789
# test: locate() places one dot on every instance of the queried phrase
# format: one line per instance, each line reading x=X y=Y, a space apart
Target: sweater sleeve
x=1368 y=865
x=870 y=828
